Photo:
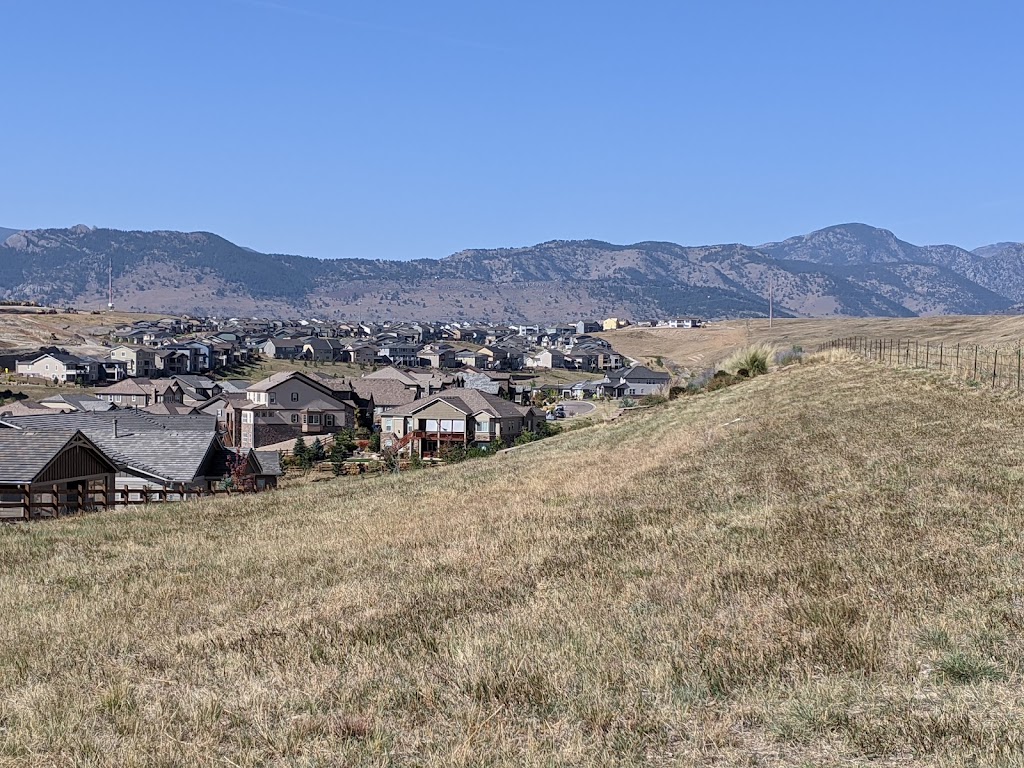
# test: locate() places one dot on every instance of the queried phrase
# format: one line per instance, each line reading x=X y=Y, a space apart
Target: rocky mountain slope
x=851 y=269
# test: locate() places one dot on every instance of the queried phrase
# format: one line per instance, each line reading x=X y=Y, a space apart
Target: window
x=389 y=425
x=117 y=398
x=295 y=397
x=314 y=418
x=483 y=426
x=273 y=398
x=295 y=418
x=328 y=419
x=133 y=398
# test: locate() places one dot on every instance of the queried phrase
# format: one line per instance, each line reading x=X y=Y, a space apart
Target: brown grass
x=821 y=566
x=698 y=348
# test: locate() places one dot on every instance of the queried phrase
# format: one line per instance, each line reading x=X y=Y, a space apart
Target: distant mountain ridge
x=848 y=269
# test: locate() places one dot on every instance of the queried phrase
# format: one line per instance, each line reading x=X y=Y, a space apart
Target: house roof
x=469 y=401
x=79 y=402
x=232 y=386
x=63 y=357
x=638 y=372
x=170 y=448
x=169 y=409
x=23 y=408
x=386 y=393
x=276 y=379
x=269 y=462
x=27 y=453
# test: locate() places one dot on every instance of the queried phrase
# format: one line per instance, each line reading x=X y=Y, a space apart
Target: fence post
x=55 y=499
x=940 y=355
x=26 y=502
x=1018 y=369
x=995 y=367
x=975 y=377
x=927 y=354
x=915 y=354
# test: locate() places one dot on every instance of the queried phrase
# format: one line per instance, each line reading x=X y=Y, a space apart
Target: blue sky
x=405 y=130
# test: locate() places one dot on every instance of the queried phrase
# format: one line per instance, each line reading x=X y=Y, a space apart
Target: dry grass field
x=24 y=328
x=698 y=348
x=822 y=566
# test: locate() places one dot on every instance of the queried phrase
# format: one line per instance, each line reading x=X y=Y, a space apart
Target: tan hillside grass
x=699 y=348
x=821 y=566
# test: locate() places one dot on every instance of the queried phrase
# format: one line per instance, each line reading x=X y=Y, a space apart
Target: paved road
x=574 y=408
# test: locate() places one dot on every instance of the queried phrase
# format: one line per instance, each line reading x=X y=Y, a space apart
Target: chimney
x=115 y=427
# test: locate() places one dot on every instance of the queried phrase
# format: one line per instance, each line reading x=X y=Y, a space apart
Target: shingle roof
x=269 y=461
x=172 y=448
x=386 y=393
x=24 y=454
x=466 y=400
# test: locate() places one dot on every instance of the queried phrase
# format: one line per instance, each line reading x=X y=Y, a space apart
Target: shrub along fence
x=997 y=368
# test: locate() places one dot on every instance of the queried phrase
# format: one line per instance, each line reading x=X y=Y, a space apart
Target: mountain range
x=844 y=270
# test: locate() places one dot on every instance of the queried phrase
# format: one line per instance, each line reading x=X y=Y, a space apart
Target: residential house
x=637 y=380
x=61 y=367
x=397 y=352
x=288 y=405
x=171 y=452
x=283 y=349
x=437 y=356
x=547 y=358
x=471 y=358
x=680 y=322
x=140 y=392
x=52 y=470
x=456 y=417
x=358 y=354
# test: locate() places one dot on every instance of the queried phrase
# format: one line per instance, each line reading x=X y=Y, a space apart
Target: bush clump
x=750 y=361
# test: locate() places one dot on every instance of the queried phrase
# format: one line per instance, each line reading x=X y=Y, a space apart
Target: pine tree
x=316 y=451
x=300 y=452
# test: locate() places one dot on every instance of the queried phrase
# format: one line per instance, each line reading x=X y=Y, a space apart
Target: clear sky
x=415 y=129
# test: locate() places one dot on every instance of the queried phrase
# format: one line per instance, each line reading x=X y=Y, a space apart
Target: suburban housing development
x=166 y=408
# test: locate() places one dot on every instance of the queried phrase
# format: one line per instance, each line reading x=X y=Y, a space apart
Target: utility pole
x=110 y=284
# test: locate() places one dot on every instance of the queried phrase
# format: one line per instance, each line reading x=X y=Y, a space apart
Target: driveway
x=574 y=408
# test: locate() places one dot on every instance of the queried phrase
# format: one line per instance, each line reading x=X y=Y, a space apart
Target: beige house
x=59 y=366
x=456 y=416
x=139 y=361
x=140 y=392
x=286 y=406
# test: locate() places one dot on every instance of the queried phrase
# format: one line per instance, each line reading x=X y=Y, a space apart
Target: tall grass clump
x=750 y=361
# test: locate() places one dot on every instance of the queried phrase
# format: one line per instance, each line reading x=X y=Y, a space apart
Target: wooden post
x=79 y=505
x=55 y=501
x=26 y=502
x=975 y=376
x=940 y=355
x=927 y=354
x=915 y=354
x=995 y=367
x=1018 y=369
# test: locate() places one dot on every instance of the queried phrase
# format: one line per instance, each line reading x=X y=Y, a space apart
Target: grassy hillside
x=701 y=347
x=822 y=566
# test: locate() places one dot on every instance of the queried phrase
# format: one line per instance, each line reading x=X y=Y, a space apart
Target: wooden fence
x=62 y=502
x=996 y=368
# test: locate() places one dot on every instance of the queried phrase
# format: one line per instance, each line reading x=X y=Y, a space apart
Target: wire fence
x=996 y=368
